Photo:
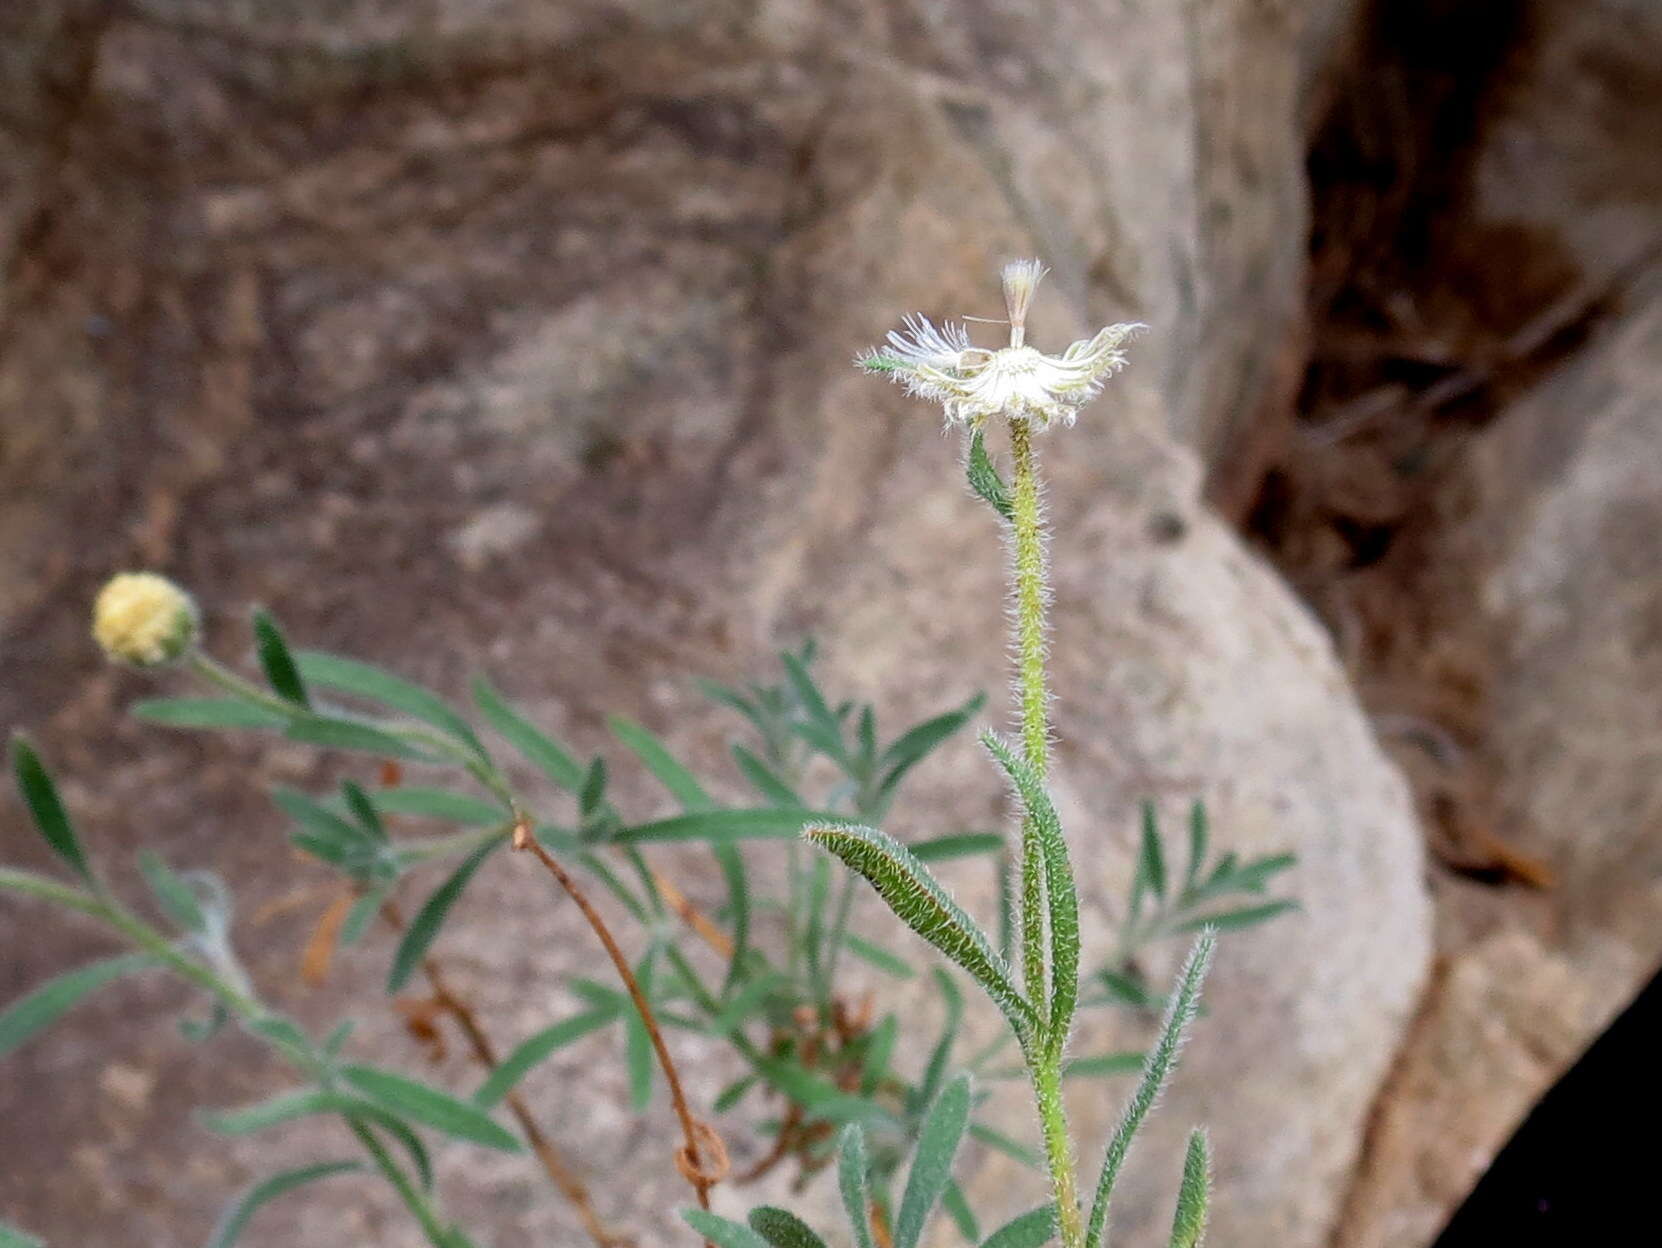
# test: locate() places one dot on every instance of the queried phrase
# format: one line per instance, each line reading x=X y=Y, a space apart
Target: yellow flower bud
x=144 y=619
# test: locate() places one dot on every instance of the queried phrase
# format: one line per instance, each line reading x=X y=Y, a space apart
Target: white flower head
x=1017 y=382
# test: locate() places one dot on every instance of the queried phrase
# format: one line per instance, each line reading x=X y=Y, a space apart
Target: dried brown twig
x=446 y=1000
x=702 y=1158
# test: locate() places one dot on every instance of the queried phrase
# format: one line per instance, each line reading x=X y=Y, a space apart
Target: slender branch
x=702 y=1159
x=559 y=1171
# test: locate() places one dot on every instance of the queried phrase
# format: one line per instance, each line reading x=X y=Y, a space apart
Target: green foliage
x=236 y=1218
x=1189 y=1223
x=984 y=478
x=33 y=1013
x=46 y=807
x=276 y=662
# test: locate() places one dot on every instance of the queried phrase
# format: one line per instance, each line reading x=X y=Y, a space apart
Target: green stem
x=418 y=1205
x=1053 y=1124
x=1044 y=1053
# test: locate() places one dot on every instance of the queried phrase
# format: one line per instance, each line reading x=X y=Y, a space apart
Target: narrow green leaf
x=424 y=928
x=1199 y=835
x=738 y=911
x=851 y=1181
x=1123 y=988
x=335 y=733
x=958 y=1209
x=1060 y=896
x=1157 y=1070
x=1010 y=1147
x=956 y=845
x=932 y=1161
x=538 y=748
x=461 y=808
x=276 y=661
x=1255 y=875
x=881 y=958
x=1233 y=920
x=730 y=1096
x=638 y=1055
x=874 y=1062
x=1151 y=862
x=1103 y=1064
x=363 y=912
x=764 y=779
x=320 y=821
x=46 y=807
x=363 y=810
x=736 y=701
x=919 y=901
x=175 y=896
x=783 y=1229
x=373 y=684
x=723 y=826
x=984 y=478
x=655 y=755
x=532 y=1052
x=818 y=1097
x=41 y=1008
x=235 y=1219
x=593 y=792
x=207 y=713
x=922 y=739
x=807 y=692
x=935 y=1070
x=1032 y=1229
x=1189 y=1222
x=430 y=1107
x=721 y=1232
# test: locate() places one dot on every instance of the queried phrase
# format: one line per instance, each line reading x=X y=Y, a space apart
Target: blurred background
x=513 y=336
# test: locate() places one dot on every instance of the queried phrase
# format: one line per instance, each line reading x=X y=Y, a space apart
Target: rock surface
x=518 y=340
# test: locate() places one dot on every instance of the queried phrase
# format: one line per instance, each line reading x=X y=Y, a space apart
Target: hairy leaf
x=922 y=904
x=984 y=478
x=722 y=1232
x=1060 y=896
x=851 y=1182
x=1189 y=1222
x=783 y=1229
x=1032 y=1229
x=932 y=1161
x=1157 y=1070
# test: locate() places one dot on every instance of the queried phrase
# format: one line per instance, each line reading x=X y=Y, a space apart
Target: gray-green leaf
x=783 y=1229
x=932 y=1162
x=429 y=1106
x=1189 y=1222
x=236 y=1217
x=920 y=902
x=424 y=928
x=41 y=1008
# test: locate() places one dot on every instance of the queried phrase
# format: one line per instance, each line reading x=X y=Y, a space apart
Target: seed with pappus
x=144 y=619
x=1017 y=382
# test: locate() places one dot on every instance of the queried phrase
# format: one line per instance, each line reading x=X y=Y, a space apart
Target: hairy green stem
x=1053 y=1126
x=1044 y=1056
